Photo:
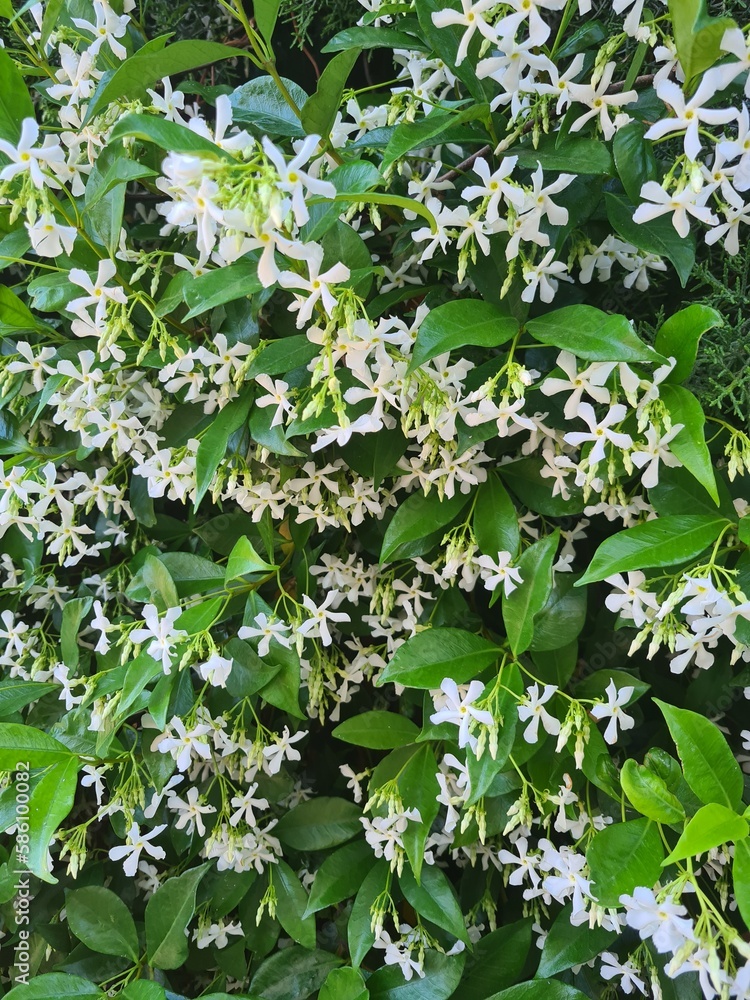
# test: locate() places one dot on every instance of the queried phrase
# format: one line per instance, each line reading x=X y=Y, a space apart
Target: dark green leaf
x=293 y=972
x=680 y=334
x=565 y=946
x=623 y=856
x=419 y=517
x=434 y=899
x=522 y=605
x=458 y=324
x=320 y=109
x=377 y=730
x=15 y=102
x=499 y=959
x=658 y=236
x=591 y=334
x=428 y=657
x=168 y=913
x=261 y=105
x=340 y=875
x=99 y=918
x=319 y=824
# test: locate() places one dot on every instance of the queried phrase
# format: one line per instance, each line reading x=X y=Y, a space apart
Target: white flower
x=317 y=624
x=632 y=600
x=470 y=16
x=26 y=157
x=679 y=203
x=629 y=980
x=268 y=629
x=276 y=395
x=613 y=711
x=457 y=707
x=316 y=284
x=49 y=238
x=245 y=805
x=282 y=750
x=98 y=291
x=600 y=431
x=137 y=842
x=497 y=571
x=216 y=669
x=589 y=381
x=543 y=278
x=532 y=707
x=688 y=115
x=191 y=811
x=599 y=101
x=292 y=180
x=666 y=921
x=185 y=745
x=162 y=632
x=655 y=451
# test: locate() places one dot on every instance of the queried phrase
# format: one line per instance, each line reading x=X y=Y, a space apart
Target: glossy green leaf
x=697 y=36
x=565 y=945
x=460 y=324
x=377 y=730
x=168 y=913
x=293 y=972
x=344 y=984
x=221 y=285
x=540 y=989
x=34 y=747
x=99 y=918
x=419 y=517
x=360 y=937
x=167 y=135
x=690 y=443
x=442 y=974
x=522 y=605
x=712 y=826
x=320 y=108
x=55 y=986
x=741 y=878
x=260 y=105
x=244 y=559
x=266 y=14
x=591 y=335
x=434 y=899
x=319 y=824
x=427 y=132
x=665 y=541
x=16 y=694
x=499 y=960
x=74 y=612
x=679 y=335
x=428 y=657
x=340 y=876
x=149 y=64
x=648 y=793
x=561 y=619
x=50 y=801
x=291 y=905
x=495 y=521
x=15 y=102
x=708 y=763
x=636 y=163
x=213 y=443
x=622 y=856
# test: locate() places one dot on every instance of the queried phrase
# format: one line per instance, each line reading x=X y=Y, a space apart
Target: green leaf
x=590 y=156
x=74 y=612
x=658 y=236
x=495 y=521
x=426 y=131
x=374 y=38
x=690 y=443
x=499 y=960
x=565 y=946
x=697 y=36
x=145 y=990
x=55 y=986
x=15 y=102
x=13 y=313
x=344 y=984
x=678 y=493
x=665 y=541
x=168 y=913
x=291 y=905
x=260 y=105
x=622 y=856
x=648 y=793
x=524 y=479
x=149 y=64
x=529 y=597
x=50 y=801
x=276 y=357
x=419 y=517
x=34 y=747
x=540 y=989
x=591 y=334
x=418 y=786
x=741 y=878
x=319 y=824
x=340 y=876
x=359 y=929
x=266 y=13
x=458 y=324
x=635 y=161
x=249 y=673
x=708 y=763
x=200 y=617
x=428 y=657
x=16 y=694
x=563 y=616
x=319 y=111
x=293 y=972
x=213 y=443
x=221 y=285
x=120 y=171
x=377 y=730
x=153 y=582
x=484 y=771
x=680 y=334
x=435 y=900
x=52 y=292
x=167 y=135
x=244 y=559
x=99 y=918
x=442 y=974
x=712 y=826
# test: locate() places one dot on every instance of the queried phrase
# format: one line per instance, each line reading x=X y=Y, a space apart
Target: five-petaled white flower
x=137 y=842
x=613 y=710
x=456 y=705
